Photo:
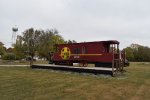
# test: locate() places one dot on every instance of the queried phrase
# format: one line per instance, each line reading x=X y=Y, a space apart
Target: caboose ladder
x=117 y=64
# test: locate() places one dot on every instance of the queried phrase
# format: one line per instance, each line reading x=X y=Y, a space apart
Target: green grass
x=22 y=83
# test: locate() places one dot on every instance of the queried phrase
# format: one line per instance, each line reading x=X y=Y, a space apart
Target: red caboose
x=100 y=53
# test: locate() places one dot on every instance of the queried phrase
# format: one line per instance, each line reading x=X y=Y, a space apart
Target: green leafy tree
x=9 y=56
x=19 y=48
x=38 y=42
x=130 y=55
x=2 y=49
x=71 y=41
x=143 y=54
x=31 y=41
x=138 y=52
x=28 y=43
x=48 y=40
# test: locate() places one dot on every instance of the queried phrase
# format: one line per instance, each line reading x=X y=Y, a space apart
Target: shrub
x=9 y=56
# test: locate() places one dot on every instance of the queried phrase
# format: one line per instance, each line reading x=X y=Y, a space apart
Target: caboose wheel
x=83 y=64
x=69 y=63
x=56 y=63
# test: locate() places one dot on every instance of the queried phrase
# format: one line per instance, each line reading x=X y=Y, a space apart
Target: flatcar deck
x=93 y=70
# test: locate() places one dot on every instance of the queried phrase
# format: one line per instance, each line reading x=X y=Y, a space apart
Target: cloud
x=83 y=20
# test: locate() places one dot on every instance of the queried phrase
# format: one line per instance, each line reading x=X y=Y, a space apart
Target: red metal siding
x=92 y=54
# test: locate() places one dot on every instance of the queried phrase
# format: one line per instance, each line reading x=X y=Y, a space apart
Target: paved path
x=14 y=65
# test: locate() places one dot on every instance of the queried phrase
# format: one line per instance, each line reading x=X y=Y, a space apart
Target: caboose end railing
x=117 y=63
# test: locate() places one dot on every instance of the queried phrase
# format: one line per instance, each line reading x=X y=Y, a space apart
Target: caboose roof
x=108 y=42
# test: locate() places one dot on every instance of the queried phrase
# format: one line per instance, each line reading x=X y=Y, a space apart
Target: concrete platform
x=93 y=70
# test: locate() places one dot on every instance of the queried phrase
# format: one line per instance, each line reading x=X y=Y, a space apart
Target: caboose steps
x=93 y=70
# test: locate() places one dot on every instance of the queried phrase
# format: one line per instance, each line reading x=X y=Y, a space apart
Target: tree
x=138 y=52
x=48 y=40
x=9 y=56
x=71 y=41
x=28 y=43
x=130 y=55
x=37 y=42
x=31 y=41
x=19 y=48
x=143 y=54
x=2 y=49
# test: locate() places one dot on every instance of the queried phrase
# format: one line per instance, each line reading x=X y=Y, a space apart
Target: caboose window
x=76 y=51
x=111 y=48
x=83 y=50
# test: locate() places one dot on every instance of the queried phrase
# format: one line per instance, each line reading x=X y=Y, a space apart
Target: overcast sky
x=127 y=21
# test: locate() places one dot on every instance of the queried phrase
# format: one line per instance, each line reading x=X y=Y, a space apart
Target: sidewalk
x=14 y=65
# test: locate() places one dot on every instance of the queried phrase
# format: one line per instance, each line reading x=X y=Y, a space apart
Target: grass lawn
x=23 y=83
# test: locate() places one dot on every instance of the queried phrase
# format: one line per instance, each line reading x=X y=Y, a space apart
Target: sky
x=127 y=21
